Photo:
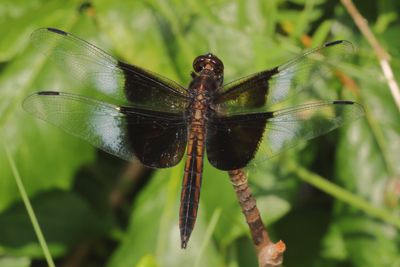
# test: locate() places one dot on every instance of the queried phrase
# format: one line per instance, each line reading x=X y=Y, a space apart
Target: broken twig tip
x=272 y=254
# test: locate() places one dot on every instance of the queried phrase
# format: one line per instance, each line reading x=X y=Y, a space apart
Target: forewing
x=94 y=68
x=234 y=141
x=157 y=139
x=260 y=92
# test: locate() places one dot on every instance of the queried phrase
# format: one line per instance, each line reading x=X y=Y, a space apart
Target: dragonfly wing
x=157 y=139
x=261 y=91
x=233 y=141
x=94 y=68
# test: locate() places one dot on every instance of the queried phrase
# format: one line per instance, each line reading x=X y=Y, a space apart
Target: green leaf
x=15 y=262
x=367 y=159
x=27 y=20
x=363 y=236
x=45 y=156
x=65 y=218
x=153 y=231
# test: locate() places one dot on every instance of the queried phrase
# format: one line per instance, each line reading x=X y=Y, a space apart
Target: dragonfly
x=157 y=121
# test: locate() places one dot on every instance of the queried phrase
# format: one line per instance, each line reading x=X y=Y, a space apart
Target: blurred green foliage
x=70 y=183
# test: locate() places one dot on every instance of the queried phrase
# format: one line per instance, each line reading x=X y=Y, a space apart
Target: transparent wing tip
x=33 y=103
x=353 y=109
x=344 y=44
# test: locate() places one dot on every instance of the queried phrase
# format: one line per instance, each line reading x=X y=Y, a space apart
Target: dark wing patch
x=149 y=90
x=233 y=141
x=157 y=139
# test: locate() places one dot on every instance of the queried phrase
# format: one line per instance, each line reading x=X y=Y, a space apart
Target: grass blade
x=29 y=209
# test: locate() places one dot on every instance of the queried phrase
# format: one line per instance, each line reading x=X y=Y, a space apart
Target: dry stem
x=269 y=254
x=381 y=54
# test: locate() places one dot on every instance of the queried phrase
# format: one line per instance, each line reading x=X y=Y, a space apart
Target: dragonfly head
x=209 y=63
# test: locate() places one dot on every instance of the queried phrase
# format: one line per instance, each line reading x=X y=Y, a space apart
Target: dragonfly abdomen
x=191 y=183
x=193 y=172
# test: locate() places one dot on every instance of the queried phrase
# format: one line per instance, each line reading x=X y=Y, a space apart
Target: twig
x=381 y=54
x=269 y=254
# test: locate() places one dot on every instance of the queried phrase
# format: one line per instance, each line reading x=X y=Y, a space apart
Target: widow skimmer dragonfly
x=155 y=120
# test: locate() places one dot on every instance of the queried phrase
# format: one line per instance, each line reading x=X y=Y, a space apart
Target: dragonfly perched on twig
x=157 y=120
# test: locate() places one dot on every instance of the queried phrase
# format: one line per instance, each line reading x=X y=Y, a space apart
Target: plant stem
x=29 y=209
x=269 y=254
x=343 y=195
x=381 y=54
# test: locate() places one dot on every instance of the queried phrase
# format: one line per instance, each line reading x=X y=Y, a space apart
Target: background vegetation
x=96 y=210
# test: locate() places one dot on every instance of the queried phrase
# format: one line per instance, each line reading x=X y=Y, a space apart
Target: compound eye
x=198 y=64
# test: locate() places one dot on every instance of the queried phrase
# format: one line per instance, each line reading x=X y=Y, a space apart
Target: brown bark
x=269 y=254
